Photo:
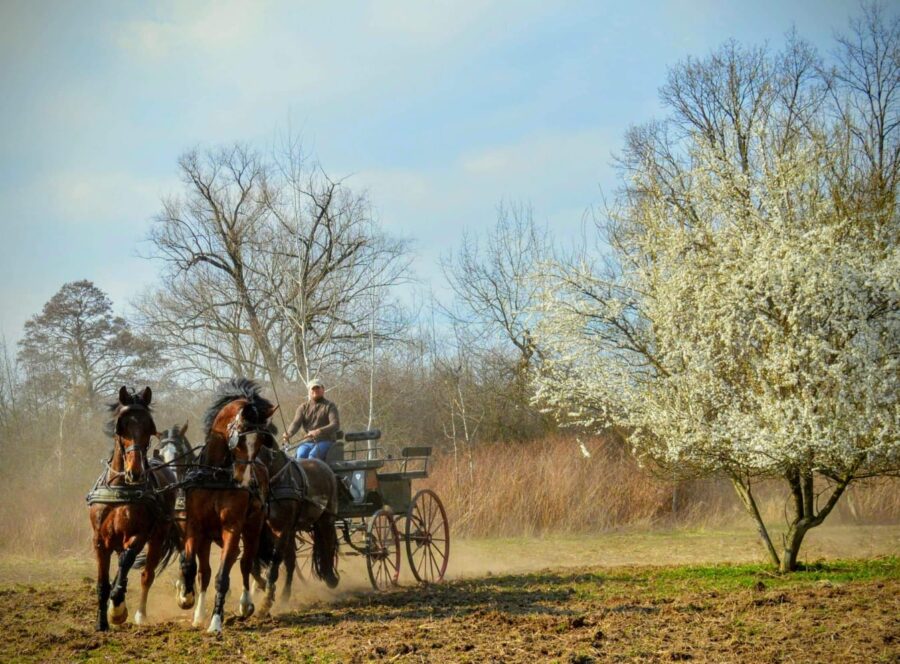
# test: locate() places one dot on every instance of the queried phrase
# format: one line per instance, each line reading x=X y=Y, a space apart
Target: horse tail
x=140 y=560
x=325 y=548
x=265 y=552
x=172 y=544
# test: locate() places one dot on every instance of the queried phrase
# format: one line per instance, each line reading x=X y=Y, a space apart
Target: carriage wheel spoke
x=427 y=537
x=382 y=550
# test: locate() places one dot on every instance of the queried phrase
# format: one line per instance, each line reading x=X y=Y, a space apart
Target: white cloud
x=103 y=198
x=425 y=22
x=208 y=26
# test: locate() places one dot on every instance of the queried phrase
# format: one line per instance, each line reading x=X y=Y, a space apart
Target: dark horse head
x=235 y=424
x=132 y=427
x=174 y=448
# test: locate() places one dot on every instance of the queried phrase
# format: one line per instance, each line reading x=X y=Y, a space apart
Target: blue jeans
x=314 y=450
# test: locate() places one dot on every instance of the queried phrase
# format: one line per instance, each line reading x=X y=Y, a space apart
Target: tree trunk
x=746 y=495
x=805 y=517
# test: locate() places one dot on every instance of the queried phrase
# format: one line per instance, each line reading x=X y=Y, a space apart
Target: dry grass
x=548 y=486
x=540 y=488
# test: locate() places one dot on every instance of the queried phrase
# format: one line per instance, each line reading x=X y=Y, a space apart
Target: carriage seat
x=336 y=458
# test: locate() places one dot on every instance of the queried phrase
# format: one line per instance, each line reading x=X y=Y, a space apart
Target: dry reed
x=549 y=486
x=501 y=490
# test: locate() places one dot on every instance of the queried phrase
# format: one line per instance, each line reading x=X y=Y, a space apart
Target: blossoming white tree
x=748 y=320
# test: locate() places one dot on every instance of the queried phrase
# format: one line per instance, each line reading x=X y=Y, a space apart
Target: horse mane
x=269 y=437
x=236 y=388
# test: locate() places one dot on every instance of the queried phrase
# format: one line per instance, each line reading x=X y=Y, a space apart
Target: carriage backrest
x=409 y=452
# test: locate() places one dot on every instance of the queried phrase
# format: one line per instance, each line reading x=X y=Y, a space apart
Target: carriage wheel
x=427 y=537
x=382 y=550
x=304 y=547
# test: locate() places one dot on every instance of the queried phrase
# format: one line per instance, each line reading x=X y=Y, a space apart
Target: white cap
x=315 y=382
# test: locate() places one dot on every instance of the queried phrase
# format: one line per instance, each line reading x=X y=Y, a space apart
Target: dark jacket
x=322 y=414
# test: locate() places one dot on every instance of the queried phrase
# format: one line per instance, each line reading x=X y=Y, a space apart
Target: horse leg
x=154 y=554
x=277 y=549
x=250 y=537
x=290 y=564
x=185 y=593
x=179 y=578
x=103 y=556
x=205 y=575
x=259 y=583
x=118 y=611
x=230 y=539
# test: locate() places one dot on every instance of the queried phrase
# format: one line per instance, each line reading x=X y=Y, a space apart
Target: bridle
x=134 y=447
x=180 y=444
x=234 y=439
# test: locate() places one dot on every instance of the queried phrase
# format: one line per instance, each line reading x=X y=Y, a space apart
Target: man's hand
x=312 y=434
x=285 y=437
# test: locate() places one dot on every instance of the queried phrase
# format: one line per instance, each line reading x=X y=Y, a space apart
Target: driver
x=319 y=418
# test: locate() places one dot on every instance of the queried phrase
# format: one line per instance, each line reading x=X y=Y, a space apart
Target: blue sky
x=438 y=109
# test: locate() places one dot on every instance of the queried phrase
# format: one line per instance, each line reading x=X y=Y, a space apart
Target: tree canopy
x=77 y=350
x=747 y=320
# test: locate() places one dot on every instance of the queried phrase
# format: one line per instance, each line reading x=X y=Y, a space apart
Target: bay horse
x=225 y=498
x=128 y=509
x=302 y=496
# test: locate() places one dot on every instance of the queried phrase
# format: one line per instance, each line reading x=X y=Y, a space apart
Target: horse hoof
x=102 y=627
x=215 y=625
x=185 y=601
x=140 y=618
x=246 y=610
x=118 y=614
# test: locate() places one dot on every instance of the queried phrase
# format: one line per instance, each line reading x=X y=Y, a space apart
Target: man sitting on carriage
x=319 y=418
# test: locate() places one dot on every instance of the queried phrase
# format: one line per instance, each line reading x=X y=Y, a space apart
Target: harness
x=283 y=485
x=103 y=492
x=219 y=478
x=146 y=491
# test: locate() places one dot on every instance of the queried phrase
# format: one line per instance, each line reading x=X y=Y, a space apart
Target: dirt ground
x=607 y=598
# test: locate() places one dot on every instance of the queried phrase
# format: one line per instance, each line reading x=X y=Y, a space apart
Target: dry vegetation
x=541 y=488
x=549 y=487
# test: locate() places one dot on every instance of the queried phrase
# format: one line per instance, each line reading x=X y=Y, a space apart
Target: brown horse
x=128 y=510
x=225 y=498
x=302 y=496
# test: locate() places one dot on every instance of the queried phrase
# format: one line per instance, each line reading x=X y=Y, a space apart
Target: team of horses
x=241 y=492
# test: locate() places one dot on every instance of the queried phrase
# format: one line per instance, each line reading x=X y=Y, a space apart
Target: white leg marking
x=184 y=601
x=140 y=617
x=245 y=605
x=200 y=609
x=117 y=614
x=215 y=625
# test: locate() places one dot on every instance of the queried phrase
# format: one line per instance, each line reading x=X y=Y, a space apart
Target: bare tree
x=864 y=83
x=267 y=267
x=492 y=281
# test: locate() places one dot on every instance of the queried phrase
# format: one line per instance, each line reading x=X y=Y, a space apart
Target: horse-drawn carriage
x=377 y=509
x=245 y=494
x=379 y=517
